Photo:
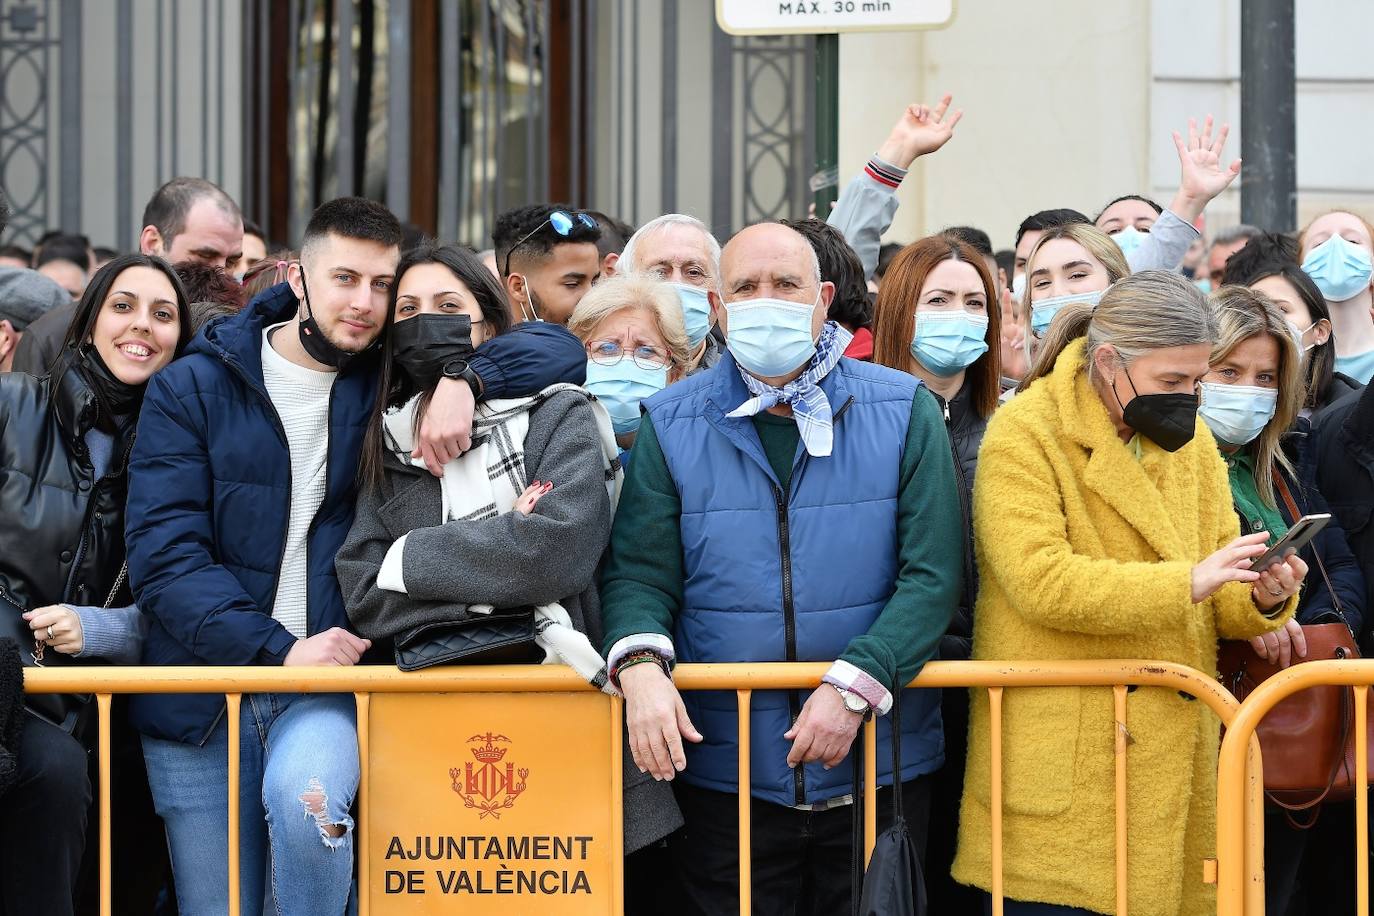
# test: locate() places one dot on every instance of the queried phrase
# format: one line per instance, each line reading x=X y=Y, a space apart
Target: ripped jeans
x=299 y=773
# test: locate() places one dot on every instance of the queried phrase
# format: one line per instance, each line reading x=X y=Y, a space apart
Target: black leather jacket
x=62 y=536
x=966 y=430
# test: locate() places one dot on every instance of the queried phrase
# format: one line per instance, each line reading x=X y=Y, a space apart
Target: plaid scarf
x=810 y=406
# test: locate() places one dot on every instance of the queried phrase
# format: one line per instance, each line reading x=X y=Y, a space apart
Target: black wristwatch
x=458 y=368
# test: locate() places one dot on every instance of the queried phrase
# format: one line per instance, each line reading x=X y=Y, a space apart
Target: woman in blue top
x=1250 y=401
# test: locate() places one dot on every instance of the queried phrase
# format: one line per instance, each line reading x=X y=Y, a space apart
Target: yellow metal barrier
x=1232 y=782
x=1239 y=858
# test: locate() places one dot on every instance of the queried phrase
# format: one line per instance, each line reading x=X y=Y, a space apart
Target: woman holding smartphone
x=1250 y=400
x=1104 y=528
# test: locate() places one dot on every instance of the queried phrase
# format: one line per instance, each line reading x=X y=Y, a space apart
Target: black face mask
x=1167 y=420
x=319 y=347
x=118 y=401
x=424 y=344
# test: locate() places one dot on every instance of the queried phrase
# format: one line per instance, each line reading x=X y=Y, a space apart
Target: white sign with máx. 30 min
x=803 y=17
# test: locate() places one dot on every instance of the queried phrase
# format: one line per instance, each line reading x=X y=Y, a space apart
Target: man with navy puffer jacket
x=241 y=491
x=787 y=504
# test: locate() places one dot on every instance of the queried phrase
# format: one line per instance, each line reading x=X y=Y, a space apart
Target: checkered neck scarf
x=810 y=406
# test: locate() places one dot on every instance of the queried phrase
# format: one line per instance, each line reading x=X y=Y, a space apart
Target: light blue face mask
x=696 y=312
x=1236 y=414
x=1341 y=269
x=1018 y=286
x=621 y=387
x=1043 y=312
x=1204 y=284
x=947 y=343
x=1129 y=239
x=770 y=337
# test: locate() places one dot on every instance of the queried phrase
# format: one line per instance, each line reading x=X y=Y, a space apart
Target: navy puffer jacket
x=209 y=501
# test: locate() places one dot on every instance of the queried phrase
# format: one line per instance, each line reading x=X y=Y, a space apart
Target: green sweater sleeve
x=641 y=584
x=930 y=538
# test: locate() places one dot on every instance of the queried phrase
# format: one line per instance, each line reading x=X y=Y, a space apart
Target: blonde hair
x=1151 y=310
x=1097 y=243
x=635 y=291
x=1242 y=313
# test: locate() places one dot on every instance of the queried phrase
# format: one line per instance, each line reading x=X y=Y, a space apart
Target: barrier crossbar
x=1243 y=857
x=1233 y=816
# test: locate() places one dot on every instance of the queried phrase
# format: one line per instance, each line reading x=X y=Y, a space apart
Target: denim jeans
x=298 y=757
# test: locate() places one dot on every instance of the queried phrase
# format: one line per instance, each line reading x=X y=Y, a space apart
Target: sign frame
x=834 y=30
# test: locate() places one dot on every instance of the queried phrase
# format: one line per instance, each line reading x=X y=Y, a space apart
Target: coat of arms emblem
x=490 y=785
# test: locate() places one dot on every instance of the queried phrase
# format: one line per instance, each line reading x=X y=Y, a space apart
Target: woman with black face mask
x=518 y=521
x=64 y=449
x=1104 y=529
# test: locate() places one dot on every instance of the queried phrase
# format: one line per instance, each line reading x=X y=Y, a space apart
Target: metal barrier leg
x=746 y=877
x=995 y=733
x=871 y=786
x=233 y=702
x=1254 y=830
x=1361 y=801
x=360 y=835
x=102 y=703
x=1122 y=875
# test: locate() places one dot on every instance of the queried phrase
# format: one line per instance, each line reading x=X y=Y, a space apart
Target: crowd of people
x=803 y=445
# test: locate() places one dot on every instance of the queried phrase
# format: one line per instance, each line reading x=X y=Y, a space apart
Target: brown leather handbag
x=1308 y=739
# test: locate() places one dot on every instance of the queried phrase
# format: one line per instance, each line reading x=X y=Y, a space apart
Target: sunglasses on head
x=562 y=223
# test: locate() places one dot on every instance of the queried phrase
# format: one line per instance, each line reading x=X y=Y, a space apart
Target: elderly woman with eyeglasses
x=636 y=346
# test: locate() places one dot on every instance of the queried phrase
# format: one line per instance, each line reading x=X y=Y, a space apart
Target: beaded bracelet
x=639 y=658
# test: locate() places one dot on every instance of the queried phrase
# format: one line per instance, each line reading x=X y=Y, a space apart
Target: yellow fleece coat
x=1086 y=552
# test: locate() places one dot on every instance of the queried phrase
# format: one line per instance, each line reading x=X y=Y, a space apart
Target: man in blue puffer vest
x=786 y=505
x=241 y=491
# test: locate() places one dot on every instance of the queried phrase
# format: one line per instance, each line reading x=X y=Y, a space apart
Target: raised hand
x=1202 y=175
x=919 y=131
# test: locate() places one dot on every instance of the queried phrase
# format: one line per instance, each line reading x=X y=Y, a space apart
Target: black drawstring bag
x=893 y=884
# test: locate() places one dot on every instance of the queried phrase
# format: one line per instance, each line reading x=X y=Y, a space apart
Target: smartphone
x=1303 y=531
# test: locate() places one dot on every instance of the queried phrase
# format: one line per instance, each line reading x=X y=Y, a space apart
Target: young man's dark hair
x=1006 y=261
x=513 y=226
x=886 y=253
x=614 y=233
x=252 y=228
x=103 y=254
x=412 y=237
x=851 y=306
x=18 y=252
x=168 y=207
x=1049 y=219
x=203 y=312
x=61 y=247
x=210 y=284
x=352 y=218
x=1144 y=200
x=973 y=237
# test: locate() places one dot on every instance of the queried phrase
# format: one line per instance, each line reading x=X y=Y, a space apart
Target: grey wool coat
x=511 y=560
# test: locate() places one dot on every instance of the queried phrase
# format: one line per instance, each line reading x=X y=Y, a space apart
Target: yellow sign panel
x=494 y=803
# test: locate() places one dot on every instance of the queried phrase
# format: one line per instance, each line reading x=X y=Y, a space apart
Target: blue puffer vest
x=774 y=576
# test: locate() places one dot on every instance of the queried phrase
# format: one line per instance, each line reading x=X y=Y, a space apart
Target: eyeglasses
x=562 y=223
x=609 y=353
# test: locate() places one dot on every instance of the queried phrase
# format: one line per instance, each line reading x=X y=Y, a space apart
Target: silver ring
x=49 y=632
x=1276 y=594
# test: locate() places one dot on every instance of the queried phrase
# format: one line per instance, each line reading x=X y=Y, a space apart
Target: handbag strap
x=119 y=582
x=1282 y=487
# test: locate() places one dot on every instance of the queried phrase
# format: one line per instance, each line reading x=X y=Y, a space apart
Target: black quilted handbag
x=503 y=637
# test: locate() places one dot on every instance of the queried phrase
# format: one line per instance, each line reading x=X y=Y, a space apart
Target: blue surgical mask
x=1043 y=312
x=1129 y=239
x=947 y=343
x=621 y=387
x=1204 y=284
x=1341 y=269
x=1236 y=414
x=696 y=312
x=770 y=337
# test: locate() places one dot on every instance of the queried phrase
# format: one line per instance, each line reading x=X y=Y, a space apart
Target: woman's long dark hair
x=1275 y=255
x=396 y=386
x=88 y=309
